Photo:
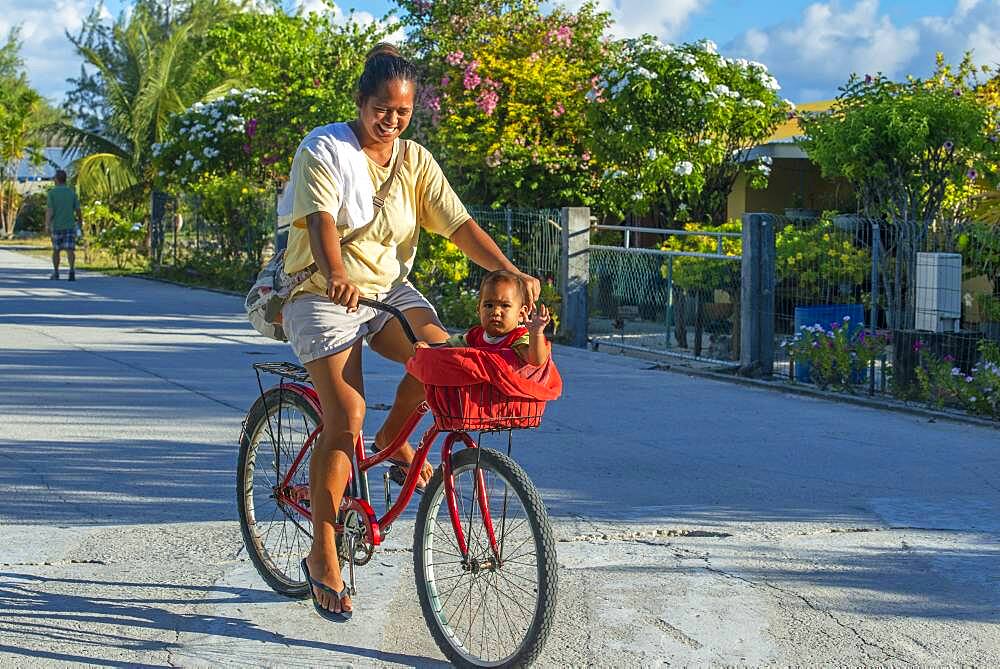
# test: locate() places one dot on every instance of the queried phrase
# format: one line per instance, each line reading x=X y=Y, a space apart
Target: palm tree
x=147 y=72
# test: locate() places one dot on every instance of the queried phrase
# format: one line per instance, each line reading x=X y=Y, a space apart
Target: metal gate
x=679 y=303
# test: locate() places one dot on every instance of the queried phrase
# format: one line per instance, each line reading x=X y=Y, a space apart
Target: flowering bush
x=905 y=146
x=815 y=259
x=837 y=356
x=504 y=108
x=677 y=123
x=978 y=392
x=214 y=138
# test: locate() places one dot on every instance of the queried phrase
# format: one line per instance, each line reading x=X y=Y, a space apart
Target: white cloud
x=664 y=18
x=48 y=56
x=815 y=53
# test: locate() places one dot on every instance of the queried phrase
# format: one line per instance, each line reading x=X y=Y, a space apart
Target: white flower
x=767 y=160
x=682 y=207
x=698 y=75
x=770 y=82
x=197 y=107
x=156 y=149
x=683 y=168
x=628 y=127
x=643 y=72
x=162 y=173
x=651 y=154
x=637 y=195
x=756 y=103
x=178 y=162
x=708 y=46
x=686 y=58
x=195 y=165
x=705 y=142
x=721 y=89
x=234 y=91
x=791 y=105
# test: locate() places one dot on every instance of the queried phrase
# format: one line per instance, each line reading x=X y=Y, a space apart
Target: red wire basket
x=481 y=407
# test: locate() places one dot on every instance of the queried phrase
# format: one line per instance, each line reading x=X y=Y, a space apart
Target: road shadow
x=28 y=610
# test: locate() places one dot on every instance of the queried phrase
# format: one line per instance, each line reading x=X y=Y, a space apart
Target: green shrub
x=31 y=215
x=122 y=240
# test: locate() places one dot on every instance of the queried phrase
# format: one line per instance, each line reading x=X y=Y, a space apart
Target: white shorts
x=316 y=327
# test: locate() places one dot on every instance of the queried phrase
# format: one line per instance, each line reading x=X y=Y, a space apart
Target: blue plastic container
x=826 y=315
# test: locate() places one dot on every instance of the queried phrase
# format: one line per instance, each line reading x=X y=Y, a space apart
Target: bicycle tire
x=282 y=575
x=459 y=651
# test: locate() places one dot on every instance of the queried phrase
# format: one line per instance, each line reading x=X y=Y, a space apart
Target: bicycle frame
x=293 y=496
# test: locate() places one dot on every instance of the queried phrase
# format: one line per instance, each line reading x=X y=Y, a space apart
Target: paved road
x=699 y=522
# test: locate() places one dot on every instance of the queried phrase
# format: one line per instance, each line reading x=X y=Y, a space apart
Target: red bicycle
x=484 y=556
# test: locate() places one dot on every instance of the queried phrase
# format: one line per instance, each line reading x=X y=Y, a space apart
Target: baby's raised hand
x=539 y=318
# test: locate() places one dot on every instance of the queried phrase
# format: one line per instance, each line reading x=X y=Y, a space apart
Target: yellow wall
x=790 y=176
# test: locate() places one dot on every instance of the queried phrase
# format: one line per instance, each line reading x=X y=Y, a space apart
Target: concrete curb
x=148 y=277
x=870 y=402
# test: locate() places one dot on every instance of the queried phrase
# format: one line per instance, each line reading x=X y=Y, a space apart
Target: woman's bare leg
x=339 y=384
x=391 y=343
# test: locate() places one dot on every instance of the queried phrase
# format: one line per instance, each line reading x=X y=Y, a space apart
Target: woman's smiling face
x=385 y=115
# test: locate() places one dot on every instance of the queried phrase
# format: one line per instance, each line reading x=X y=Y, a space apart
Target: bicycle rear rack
x=285 y=370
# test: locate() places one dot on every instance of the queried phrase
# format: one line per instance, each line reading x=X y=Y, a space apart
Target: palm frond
x=104 y=174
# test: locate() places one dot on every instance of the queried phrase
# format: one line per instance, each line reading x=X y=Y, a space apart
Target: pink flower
x=562 y=35
x=268 y=160
x=917 y=345
x=454 y=58
x=471 y=78
x=585 y=157
x=317 y=82
x=487 y=101
x=247 y=149
x=868 y=78
x=251 y=128
x=445 y=80
x=972 y=174
x=421 y=6
x=434 y=103
x=558 y=110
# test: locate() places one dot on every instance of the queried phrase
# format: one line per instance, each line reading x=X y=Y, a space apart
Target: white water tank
x=939 y=292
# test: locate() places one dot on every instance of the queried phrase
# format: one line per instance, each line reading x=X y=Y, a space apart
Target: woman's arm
x=482 y=250
x=324 y=242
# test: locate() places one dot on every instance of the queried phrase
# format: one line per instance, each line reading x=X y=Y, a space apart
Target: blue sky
x=810 y=47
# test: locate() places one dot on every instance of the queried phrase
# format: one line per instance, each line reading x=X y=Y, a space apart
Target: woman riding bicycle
x=322 y=319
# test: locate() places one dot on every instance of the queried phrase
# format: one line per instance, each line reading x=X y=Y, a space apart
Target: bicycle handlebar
x=382 y=306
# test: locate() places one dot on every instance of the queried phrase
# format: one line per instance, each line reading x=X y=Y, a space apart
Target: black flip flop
x=332 y=616
x=397 y=472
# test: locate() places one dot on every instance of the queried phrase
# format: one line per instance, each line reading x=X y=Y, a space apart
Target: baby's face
x=500 y=308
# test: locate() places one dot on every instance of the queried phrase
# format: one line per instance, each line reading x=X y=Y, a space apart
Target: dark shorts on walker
x=64 y=240
x=316 y=327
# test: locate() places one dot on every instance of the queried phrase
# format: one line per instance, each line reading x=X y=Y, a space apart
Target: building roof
x=55 y=158
x=790 y=130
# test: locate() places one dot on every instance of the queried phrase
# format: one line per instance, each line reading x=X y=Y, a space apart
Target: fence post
x=757 y=296
x=574 y=273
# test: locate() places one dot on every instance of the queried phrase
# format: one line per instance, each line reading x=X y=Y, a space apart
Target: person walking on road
x=333 y=222
x=62 y=216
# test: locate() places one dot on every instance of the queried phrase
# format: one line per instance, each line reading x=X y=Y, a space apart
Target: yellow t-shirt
x=379 y=256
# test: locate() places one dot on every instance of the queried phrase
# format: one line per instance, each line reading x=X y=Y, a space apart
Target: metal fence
x=846 y=270
x=221 y=242
x=529 y=237
x=664 y=299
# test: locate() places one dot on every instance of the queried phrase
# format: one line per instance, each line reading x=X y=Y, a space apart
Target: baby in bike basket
x=503 y=307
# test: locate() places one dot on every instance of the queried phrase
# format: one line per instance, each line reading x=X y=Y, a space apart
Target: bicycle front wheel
x=493 y=607
x=275 y=534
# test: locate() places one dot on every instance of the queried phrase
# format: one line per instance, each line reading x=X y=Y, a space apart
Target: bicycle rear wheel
x=276 y=536
x=481 y=611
